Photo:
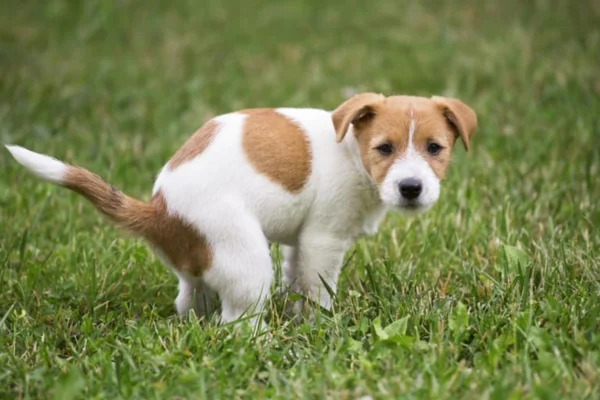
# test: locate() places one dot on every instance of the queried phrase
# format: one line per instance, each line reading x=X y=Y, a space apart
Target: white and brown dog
x=309 y=179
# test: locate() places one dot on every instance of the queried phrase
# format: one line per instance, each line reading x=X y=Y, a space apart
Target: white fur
x=412 y=165
x=412 y=126
x=47 y=168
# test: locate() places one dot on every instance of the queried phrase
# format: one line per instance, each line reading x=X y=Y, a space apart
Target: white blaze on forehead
x=412 y=126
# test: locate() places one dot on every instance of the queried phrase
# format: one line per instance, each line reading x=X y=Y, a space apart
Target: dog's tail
x=134 y=215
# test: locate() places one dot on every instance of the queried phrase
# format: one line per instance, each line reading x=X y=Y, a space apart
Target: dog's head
x=405 y=143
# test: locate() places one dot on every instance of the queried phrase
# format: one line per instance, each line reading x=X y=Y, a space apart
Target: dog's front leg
x=318 y=260
x=289 y=268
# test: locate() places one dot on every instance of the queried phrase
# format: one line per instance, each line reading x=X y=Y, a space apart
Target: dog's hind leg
x=195 y=295
x=205 y=299
x=241 y=271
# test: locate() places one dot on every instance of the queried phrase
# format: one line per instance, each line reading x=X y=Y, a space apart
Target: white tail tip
x=45 y=167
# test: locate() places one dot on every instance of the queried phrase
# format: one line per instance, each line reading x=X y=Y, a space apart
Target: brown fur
x=379 y=120
x=461 y=117
x=353 y=110
x=129 y=213
x=430 y=127
x=195 y=145
x=185 y=249
x=277 y=148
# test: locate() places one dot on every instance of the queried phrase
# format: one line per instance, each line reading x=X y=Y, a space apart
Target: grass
x=491 y=295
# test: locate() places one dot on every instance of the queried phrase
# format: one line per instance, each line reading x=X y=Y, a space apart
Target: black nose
x=410 y=188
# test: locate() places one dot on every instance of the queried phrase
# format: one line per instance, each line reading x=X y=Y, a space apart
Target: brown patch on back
x=195 y=145
x=277 y=148
x=185 y=248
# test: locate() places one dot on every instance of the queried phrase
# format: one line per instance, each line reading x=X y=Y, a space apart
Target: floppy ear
x=355 y=110
x=462 y=118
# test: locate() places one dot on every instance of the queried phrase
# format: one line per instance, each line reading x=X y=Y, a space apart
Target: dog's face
x=405 y=143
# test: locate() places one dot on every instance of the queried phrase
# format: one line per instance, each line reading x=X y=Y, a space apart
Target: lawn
x=493 y=294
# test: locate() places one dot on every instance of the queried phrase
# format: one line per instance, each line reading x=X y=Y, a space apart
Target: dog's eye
x=385 y=149
x=433 y=148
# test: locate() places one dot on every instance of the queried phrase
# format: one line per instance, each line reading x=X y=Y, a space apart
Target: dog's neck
x=351 y=145
x=368 y=188
x=372 y=210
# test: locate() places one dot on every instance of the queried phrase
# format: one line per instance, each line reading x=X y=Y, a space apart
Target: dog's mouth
x=411 y=207
x=410 y=204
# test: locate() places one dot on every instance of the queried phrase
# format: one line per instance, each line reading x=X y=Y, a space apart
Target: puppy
x=309 y=179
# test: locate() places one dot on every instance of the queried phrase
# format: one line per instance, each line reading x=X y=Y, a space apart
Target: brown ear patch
x=355 y=110
x=185 y=248
x=461 y=118
x=195 y=145
x=277 y=148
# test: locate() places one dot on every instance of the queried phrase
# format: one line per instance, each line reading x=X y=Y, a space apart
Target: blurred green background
x=494 y=292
